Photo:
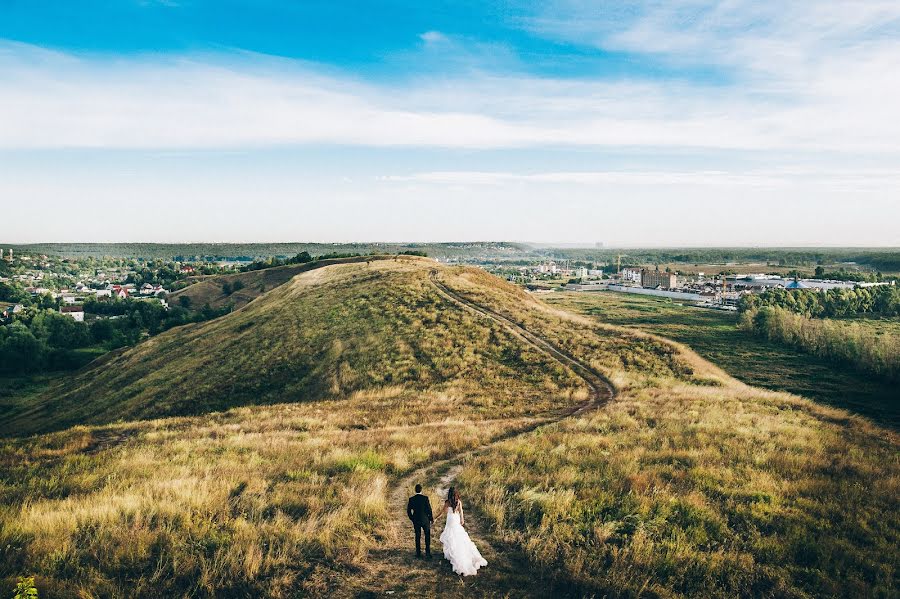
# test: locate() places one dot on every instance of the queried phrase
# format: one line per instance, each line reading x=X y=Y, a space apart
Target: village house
x=76 y=312
x=8 y=311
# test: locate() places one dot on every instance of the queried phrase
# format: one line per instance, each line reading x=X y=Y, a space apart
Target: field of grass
x=326 y=334
x=261 y=501
x=689 y=483
x=715 y=336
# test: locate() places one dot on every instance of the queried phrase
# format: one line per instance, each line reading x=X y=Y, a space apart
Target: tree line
x=41 y=339
x=842 y=342
x=880 y=300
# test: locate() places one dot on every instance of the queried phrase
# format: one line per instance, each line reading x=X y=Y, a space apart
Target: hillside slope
x=209 y=289
x=329 y=332
x=687 y=484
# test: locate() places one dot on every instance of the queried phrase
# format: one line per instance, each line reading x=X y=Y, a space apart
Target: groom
x=419 y=511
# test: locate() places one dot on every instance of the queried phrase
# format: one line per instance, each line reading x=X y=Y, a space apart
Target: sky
x=646 y=123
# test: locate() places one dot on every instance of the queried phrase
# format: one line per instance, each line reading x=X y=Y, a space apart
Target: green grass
x=715 y=336
x=327 y=334
x=689 y=483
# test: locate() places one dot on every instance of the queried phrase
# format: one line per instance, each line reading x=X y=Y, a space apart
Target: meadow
x=264 y=501
x=326 y=334
x=271 y=500
x=716 y=336
x=689 y=483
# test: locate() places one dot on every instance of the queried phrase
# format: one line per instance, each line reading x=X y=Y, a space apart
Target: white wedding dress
x=459 y=548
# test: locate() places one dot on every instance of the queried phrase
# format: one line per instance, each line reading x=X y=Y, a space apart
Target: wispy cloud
x=857 y=180
x=433 y=37
x=805 y=77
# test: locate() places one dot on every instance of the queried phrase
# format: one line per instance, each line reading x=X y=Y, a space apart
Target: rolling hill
x=269 y=452
x=355 y=325
x=209 y=289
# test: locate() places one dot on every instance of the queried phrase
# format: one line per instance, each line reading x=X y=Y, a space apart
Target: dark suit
x=419 y=511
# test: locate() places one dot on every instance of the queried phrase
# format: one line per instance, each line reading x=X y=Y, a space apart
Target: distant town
x=75 y=286
x=719 y=291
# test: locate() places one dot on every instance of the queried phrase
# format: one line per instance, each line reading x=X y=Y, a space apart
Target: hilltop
x=211 y=289
x=268 y=453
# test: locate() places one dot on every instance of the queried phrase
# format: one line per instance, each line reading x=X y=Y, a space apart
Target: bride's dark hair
x=453 y=498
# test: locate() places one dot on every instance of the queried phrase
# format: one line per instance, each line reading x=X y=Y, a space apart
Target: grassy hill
x=339 y=384
x=328 y=333
x=210 y=289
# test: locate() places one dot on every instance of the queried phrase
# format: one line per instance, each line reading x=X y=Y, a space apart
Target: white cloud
x=56 y=100
x=433 y=37
x=855 y=180
x=801 y=124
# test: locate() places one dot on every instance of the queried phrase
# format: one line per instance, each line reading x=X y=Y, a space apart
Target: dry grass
x=327 y=334
x=689 y=484
x=269 y=501
x=208 y=289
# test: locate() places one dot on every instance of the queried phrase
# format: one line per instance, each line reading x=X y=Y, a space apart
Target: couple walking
x=459 y=549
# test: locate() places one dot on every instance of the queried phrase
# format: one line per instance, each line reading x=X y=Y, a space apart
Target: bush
x=843 y=342
x=25 y=589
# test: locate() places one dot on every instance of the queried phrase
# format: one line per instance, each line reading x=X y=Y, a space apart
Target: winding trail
x=392 y=569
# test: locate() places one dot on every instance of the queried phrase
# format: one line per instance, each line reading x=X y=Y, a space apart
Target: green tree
x=20 y=350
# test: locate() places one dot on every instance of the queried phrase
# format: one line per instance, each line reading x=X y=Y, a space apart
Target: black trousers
x=419 y=528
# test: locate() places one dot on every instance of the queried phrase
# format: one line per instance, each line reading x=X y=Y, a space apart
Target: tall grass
x=328 y=333
x=844 y=342
x=275 y=501
x=689 y=483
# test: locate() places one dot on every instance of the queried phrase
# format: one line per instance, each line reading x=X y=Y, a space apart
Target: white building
x=632 y=275
x=76 y=312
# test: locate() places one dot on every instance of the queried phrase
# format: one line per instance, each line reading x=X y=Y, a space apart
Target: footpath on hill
x=393 y=570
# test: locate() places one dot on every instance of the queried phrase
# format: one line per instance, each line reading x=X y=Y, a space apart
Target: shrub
x=843 y=342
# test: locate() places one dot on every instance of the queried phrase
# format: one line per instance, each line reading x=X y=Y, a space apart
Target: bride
x=458 y=547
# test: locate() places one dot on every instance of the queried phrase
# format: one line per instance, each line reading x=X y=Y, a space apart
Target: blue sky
x=646 y=123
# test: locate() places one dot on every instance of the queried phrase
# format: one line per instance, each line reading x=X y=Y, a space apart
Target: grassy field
x=755 y=361
x=326 y=334
x=689 y=483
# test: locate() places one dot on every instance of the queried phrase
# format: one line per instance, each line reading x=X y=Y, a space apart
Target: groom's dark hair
x=418 y=488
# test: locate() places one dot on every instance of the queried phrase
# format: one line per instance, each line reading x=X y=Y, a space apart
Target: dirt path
x=393 y=571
